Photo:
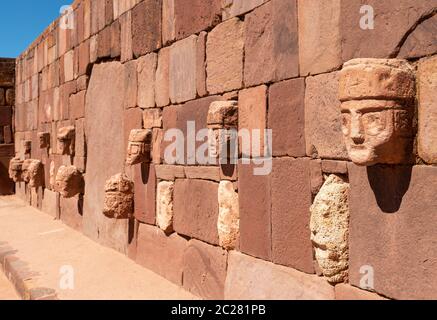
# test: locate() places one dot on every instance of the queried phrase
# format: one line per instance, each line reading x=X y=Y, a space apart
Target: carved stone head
x=27 y=146
x=222 y=118
x=119 y=197
x=329 y=226
x=377 y=106
x=69 y=181
x=33 y=173
x=16 y=169
x=66 y=136
x=139 y=146
x=44 y=140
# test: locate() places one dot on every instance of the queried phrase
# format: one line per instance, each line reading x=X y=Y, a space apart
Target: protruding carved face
x=119 y=197
x=44 y=140
x=66 y=137
x=376 y=131
x=32 y=173
x=139 y=146
x=69 y=181
x=16 y=170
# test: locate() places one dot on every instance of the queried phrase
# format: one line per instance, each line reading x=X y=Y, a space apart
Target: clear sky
x=21 y=21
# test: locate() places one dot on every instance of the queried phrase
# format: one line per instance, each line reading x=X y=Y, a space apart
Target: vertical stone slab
x=162 y=78
x=146 y=80
x=104 y=159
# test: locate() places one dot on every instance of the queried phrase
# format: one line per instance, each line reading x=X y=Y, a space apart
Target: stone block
x=421 y=41
x=196 y=209
x=115 y=39
x=254 y=279
x=146 y=69
x=202 y=172
x=323 y=134
x=146 y=27
x=71 y=211
x=332 y=166
x=286 y=117
x=205 y=270
x=228 y=224
x=344 y=291
x=77 y=105
x=164 y=206
x=160 y=253
x=291 y=200
x=319 y=36
x=233 y=8
x=144 y=177
x=162 y=80
x=170 y=172
x=104 y=43
x=69 y=66
x=201 y=64
x=130 y=91
x=152 y=118
x=126 y=36
x=183 y=70
x=392 y=230
x=273 y=27
x=255 y=212
x=224 y=57
x=51 y=203
x=168 y=21
x=84 y=57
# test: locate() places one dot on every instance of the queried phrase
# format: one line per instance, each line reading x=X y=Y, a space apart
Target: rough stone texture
x=183 y=70
x=145 y=193
x=427 y=110
x=130 y=75
x=196 y=209
x=224 y=57
x=152 y=118
x=286 y=117
x=255 y=217
x=164 y=206
x=273 y=27
x=194 y=16
x=254 y=279
x=291 y=200
x=330 y=229
x=126 y=36
x=319 y=36
x=347 y=292
x=205 y=270
x=390 y=26
x=228 y=223
x=323 y=133
x=232 y=8
x=332 y=166
x=146 y=80
x=161 y=253
x=69 y=181
x=392 y=212
x=146 y=27
x=252 y=115
x=162 y=80
x=101 y=124
x=119 y=197
x=421 y=41
x=223 y=114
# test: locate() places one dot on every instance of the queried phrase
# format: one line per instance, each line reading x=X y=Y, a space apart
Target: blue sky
x=22 y=21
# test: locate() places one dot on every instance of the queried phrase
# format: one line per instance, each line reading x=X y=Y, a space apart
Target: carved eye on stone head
x=345 y=123
x=374 y=122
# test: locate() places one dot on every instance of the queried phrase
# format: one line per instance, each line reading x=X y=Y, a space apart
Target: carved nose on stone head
x=357 y=131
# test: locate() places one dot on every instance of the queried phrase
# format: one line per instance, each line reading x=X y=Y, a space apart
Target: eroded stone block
x=377 y=110
x=228 y=224
x=330 y=228
x=139 y=146
x=69 y=181
x=119 y=197
x=164 y=202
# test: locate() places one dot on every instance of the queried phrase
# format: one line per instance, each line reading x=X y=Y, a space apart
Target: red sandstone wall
x=7 y=97
x=159 y=63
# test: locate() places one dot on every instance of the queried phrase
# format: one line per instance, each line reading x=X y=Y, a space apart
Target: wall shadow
x=389 y=184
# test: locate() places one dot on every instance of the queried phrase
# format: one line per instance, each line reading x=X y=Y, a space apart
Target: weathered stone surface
x=33 y=173
x=232 y=8
x=104 y=159
x=255 y=212
x=69 y=66
x=330 y=228
x=146 y=80
x=115 y=39
x=252 y=115
x=183 y=70
x=332 y=166
x=224 y=57
x=319 y=36
x=392 y=230
x=273 y=27
x=152 y=118
x=104 y=43
x=139 y=146
x=144 y=177
x=50 y=203
x=168 y=21
x=228 y=223
x=69 y=181
x=389 y=29
x=427 y=110
x=205 y=270
x=70 y=212
x=16 y=169
x=203 y=173
x=66 y=140
x=161 y=253
x=421 y=41
x=169 y=172
x=146 y=27
x=119 y=197
x=323 y=135
x=347 y=292
x=201 y=64
x=77 y=105
x=196 y=209
x=126 y=36
x=164 y=203
x=254 y=279
x=130 y=93
x=162 y=80
x=223 y=114
x=286 y=117
x=291 y=200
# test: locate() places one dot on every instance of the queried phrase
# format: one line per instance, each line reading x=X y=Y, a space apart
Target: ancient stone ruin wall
x=348 y=209
x=7 y=97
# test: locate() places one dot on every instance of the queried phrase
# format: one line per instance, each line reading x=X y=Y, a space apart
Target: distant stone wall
x=348 y=207
x=7 y=97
